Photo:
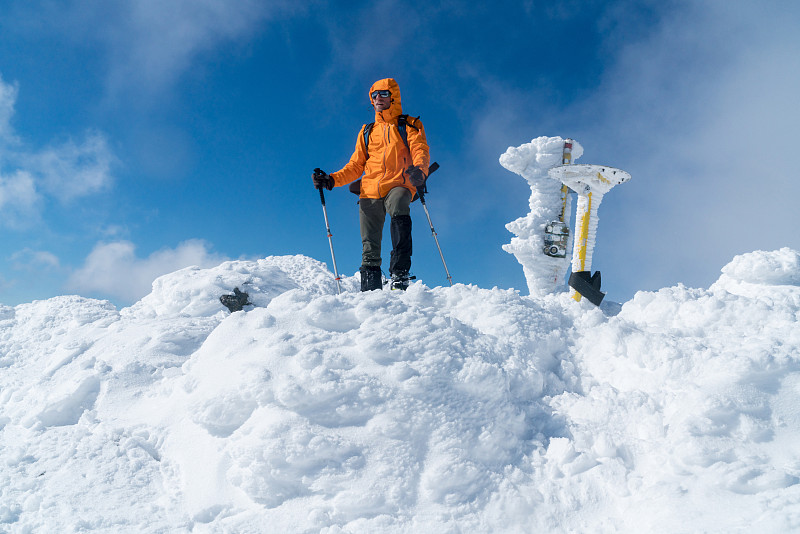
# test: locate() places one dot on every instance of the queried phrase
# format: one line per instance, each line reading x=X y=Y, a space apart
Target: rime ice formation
x=543 y=274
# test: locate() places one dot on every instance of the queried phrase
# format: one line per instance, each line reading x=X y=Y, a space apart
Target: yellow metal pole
x=582 y=238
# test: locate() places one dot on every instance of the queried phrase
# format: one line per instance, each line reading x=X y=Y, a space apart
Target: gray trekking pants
x=372 y=215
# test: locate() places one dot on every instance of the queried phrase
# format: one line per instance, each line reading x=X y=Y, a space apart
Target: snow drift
x=436 y=410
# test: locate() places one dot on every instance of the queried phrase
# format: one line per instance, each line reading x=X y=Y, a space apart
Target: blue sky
x=140 y=137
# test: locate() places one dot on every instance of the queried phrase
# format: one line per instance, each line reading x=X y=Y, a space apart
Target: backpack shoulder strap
x=402 y=122
x=367 y=129
x=411 y=121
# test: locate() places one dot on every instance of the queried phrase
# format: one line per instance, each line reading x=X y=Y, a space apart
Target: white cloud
x=67 y=171
x=114 y=270
x=18 y=198
x=8 y=98
x=29 y=259
x=71 y=170
x=152 y=43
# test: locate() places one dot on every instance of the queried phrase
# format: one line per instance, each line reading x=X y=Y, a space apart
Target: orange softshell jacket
x=388 y=155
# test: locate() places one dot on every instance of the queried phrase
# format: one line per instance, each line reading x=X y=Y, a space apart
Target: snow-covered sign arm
x=590 y=182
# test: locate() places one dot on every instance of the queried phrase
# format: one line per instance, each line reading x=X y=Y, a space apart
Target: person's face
x=381 y=100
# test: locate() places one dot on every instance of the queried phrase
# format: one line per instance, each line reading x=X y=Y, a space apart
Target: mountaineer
x=393 y=156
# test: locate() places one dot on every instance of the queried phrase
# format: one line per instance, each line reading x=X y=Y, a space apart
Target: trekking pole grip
x=317 y=172
x=431 y=169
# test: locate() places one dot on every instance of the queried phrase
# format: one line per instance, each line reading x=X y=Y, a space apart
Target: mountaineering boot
x=370 y=277
x=400 y=280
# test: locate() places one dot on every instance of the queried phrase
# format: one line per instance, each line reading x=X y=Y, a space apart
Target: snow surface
x=435 y=410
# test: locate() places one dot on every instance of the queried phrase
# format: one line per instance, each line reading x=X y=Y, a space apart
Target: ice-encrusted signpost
x=544 y=273
x=542 y=237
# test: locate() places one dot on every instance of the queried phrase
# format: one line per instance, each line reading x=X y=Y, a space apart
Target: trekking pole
x=330 y=235
x=431 y=170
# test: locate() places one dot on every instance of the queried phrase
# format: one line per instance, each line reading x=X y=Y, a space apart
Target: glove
x=416 y=176
x=322 y=179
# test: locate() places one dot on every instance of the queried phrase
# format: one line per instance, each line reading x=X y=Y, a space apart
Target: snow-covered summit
x=434 y=410
x=195 y=291
x=456 y=409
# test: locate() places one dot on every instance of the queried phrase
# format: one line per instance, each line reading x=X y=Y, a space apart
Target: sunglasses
x=384 y=94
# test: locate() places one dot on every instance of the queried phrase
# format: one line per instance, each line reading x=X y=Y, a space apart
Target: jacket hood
x=396 y=109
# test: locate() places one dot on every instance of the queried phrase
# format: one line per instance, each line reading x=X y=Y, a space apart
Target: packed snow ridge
x=435 y=410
